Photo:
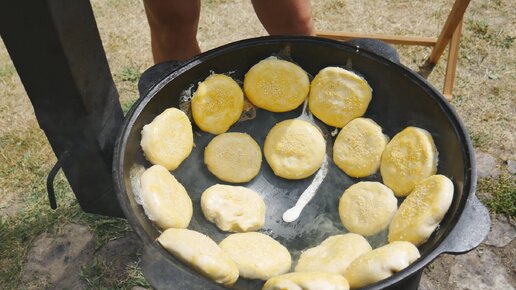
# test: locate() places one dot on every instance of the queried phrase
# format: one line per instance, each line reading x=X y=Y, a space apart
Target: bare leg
x=285 y=17
x=173 y=25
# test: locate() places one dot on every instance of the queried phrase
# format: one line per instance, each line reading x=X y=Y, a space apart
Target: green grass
x=100 y=275
x=479 y=139
x=482 y=30
x=126 y=105
x=479 y=28
x=129 y=74
x=28 y=170
x=127 y=86
x=503 y=191
x=7 y=71
x=19 y=232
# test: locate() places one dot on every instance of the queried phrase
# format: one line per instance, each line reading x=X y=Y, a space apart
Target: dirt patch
x=55 y=260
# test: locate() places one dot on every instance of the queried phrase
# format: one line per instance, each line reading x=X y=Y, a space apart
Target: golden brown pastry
x=294 y=149
x=338 y=96
x=380 y=263
x=217 y=103
x=410 y=157
x=307 y=281
x=359 y=147
x=334 y=254
x=168 y=139
x=276 y=85
x=422 y=211
x=257 y=256
x=367 y=207
x=164 y=199
x=233 y=157
x=201 y=253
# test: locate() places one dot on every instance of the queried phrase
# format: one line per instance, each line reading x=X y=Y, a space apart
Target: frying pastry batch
x=294 y=149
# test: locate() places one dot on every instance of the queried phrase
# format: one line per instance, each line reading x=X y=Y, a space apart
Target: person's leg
x=285 y=17
x=173 y=25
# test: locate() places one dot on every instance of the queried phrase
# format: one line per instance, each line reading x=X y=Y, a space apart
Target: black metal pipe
x=56 y=49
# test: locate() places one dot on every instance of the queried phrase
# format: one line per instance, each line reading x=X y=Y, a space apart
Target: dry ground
x=484 y=97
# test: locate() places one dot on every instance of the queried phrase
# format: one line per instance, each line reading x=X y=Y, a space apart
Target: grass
x=7 y=71
x=24 y=174
x=129 y=74
x=481 y=30
x=126 y=105
x=18 y=233
x=480 y=139
x=100 y=275
x=484 y=98
x=503 y=191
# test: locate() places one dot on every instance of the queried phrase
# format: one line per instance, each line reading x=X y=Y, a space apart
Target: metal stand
x=58 y=54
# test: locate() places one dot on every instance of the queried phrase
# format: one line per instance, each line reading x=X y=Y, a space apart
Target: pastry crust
x=381 y=263
x=338 y=96
x=217 y=103
x=164 y=199
x=294 y=149
x=201 y=253
x=410 y=157
x=233 y=208
x=276 y=85
x=358 y=147
x=168 y=139
x=233 y=157
x=257 y=256
x=366 y=208
x=422 y=211
x=334 y=254
x=307 y=281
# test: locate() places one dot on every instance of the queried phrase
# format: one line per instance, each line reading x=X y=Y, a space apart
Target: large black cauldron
x=401 y=98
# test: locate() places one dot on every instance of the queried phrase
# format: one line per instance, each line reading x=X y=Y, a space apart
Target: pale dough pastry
x=257 y=256
x=164 y=199
x=307 y=281
x=233 y=208
x=338 y=96
x=217 y=103
x=422 y=211
x=358 y=147
x=233 y=157
x=201 y=253
x=409 y=157
x=334 y=254
x=367 y=207
x=294 y=149
x=381 y=263
x=276 y=85
x=168 y=139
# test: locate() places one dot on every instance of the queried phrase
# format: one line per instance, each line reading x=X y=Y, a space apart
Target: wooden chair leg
x=450 y=33
x=451 y=66
x=455 y=16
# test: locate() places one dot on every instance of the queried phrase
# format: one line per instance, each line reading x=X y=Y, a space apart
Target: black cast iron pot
x=401 y=98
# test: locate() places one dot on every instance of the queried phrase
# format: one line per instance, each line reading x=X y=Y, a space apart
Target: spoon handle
x=293 y=213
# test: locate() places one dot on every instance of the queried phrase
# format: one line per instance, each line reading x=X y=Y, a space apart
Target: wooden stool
x=450 y=33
